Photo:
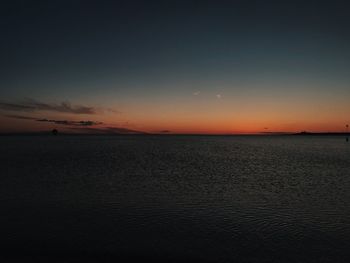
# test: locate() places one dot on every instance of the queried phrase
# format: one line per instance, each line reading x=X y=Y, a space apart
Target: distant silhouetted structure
x=54 y=132
x=347 y=132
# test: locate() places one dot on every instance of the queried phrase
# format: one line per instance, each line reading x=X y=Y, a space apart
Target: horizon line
x=171 y=134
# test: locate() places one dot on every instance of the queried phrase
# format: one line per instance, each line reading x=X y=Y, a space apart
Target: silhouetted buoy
x=54 y=132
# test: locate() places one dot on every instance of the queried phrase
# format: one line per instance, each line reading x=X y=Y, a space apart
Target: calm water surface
x=175 y=198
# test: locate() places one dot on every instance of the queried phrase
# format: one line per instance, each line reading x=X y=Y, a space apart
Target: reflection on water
x=205 y=198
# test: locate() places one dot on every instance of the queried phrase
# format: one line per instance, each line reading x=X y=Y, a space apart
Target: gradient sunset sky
x=175 y=66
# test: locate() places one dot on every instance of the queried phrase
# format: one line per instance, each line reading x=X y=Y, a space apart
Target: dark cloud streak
x=71 y=123
x=30 y=105
x=107 y=130
x=60 y=122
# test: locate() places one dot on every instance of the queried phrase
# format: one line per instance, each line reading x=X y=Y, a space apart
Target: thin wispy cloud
x=31 y=105
x=60 y=122
x=20 y=117
x=218 y=96
x=196 y=93
x=110 y=110
x=106 y=130
x=72 y=123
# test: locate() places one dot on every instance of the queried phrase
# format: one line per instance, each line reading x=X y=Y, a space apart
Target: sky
x=211 y=67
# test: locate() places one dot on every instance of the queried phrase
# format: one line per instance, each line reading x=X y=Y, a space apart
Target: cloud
x=71 y=123
x=106 y=130
x=20 y=117
x=196 y=93
x=218 y=96
x=30 y=105
x=111 y=110
x=60 y=122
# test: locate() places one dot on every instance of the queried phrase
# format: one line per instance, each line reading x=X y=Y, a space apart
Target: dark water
x=175 y=198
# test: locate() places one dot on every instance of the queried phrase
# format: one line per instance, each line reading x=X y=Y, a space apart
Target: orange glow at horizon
x=190 y=126
x=194 y=115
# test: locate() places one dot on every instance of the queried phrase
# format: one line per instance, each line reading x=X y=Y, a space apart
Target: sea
x=173 y=198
